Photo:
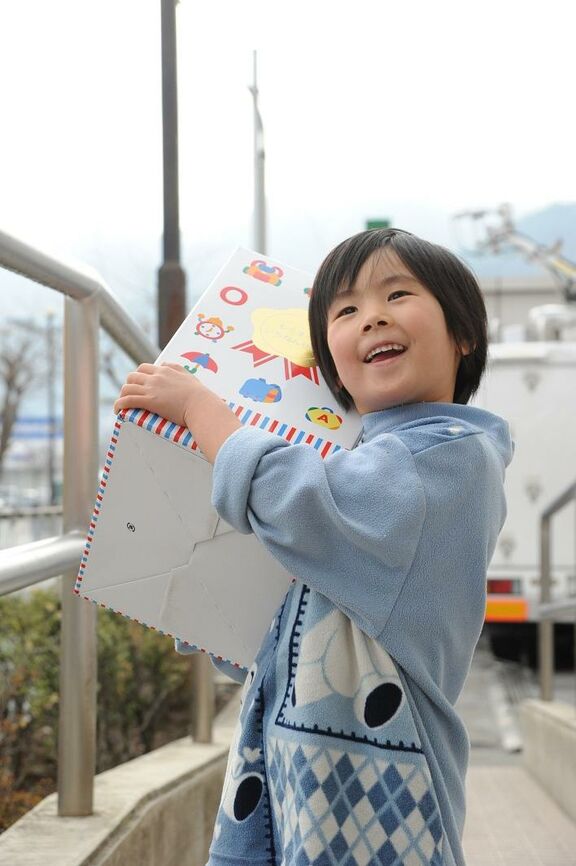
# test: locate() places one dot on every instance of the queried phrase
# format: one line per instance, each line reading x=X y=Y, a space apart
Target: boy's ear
x=465 y=349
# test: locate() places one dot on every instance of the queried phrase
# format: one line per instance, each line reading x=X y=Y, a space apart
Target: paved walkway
x=511 y=820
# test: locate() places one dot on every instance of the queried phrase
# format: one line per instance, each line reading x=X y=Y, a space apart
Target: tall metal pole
x=77 y=724
x=545 y=625
x=171 y=276
x=259 y=173
x=172 y=307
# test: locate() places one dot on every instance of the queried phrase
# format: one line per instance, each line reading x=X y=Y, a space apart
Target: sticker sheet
x=156 y=551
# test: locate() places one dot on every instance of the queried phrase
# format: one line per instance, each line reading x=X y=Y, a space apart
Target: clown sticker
x=212 y=328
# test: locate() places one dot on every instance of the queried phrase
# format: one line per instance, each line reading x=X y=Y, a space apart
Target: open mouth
x=384 y=353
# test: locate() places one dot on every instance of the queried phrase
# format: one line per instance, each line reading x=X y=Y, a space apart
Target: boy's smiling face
x=388 y=309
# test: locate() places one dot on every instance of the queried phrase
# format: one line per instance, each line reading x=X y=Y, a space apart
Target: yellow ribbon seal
x=285 y=333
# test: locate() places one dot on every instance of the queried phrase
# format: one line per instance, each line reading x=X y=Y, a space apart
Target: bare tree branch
x=17 y=373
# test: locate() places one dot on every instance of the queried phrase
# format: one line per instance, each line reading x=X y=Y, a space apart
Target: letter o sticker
x=234 y=296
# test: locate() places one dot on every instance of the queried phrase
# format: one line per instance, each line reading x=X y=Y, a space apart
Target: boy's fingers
x=132 y=388
x=146 y=368
x=136 y=378
x=129 y=390
x=130 y=401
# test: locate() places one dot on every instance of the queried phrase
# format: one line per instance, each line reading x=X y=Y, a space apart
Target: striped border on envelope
x=250 y=417
x=98 y=504
x=181 y=436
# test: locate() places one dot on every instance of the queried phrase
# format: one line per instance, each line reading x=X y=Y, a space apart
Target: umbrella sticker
x=200 y=359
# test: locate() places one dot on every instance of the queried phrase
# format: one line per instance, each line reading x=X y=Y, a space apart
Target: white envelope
x=157 y=551
x=162 y=556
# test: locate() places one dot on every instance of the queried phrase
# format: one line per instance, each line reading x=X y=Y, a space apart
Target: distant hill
x=556 y=222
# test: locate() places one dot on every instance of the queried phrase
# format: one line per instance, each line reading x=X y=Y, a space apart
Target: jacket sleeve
x=347 y=526
x=235 y=673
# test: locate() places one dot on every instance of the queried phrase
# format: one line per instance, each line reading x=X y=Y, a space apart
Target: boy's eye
x=345 y=311
x=396 y=294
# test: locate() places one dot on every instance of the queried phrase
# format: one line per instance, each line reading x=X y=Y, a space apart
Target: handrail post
x=202 y=677
x=545 y=624
x=77 y=723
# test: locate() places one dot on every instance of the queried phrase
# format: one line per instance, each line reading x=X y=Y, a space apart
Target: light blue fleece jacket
x=348 y=748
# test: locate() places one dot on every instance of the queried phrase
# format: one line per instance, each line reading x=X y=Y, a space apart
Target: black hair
x=450 y=281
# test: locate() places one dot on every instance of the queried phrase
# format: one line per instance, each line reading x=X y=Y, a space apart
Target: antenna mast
x=259 y=177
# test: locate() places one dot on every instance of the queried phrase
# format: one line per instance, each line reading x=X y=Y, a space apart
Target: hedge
x=144 y=695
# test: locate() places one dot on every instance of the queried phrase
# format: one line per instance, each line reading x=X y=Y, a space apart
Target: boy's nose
x=374 y=320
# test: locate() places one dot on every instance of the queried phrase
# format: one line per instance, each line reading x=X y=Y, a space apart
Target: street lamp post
x=171 y=276
x=172 y=308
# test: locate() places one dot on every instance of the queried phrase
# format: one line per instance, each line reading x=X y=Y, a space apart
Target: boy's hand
x=166 y=389
x=173 y=393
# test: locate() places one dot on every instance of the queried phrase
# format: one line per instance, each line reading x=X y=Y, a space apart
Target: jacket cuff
x=234 y=468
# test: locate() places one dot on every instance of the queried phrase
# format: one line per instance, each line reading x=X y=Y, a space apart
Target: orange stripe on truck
x=506 y=610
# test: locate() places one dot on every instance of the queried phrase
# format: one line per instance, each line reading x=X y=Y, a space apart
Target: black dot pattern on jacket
x=381 y=704
x=247 y=797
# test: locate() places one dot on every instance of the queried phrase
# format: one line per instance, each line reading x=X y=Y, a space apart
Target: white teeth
x=384 y=348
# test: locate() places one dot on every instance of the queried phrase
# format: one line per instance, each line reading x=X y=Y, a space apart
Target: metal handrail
x=80 y=283
x=547 y=608
x=548 y=611
x=30 y=511
x=27 y=564
x=88 y=305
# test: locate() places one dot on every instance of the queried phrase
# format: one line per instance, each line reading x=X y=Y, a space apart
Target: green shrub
x=29 y=633
x=144 y=695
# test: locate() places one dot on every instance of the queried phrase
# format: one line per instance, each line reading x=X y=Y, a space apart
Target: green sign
x=378 y=224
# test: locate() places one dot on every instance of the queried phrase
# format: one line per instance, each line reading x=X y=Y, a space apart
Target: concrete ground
x=510 y=820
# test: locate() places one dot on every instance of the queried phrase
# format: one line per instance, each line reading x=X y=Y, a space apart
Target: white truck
x=533 y=386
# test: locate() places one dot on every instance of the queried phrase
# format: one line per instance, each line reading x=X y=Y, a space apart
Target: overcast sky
x=411 y=110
